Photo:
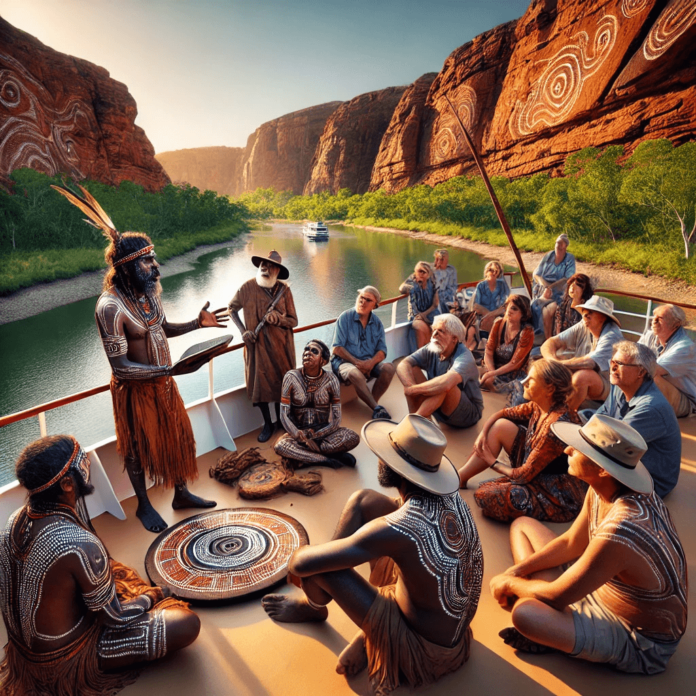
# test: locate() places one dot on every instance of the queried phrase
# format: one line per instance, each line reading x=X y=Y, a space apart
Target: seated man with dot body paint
x=613 y=588
x=77 y=621
x=425 y=556
x=310 y=410
x=360 y=350
x=451 y=390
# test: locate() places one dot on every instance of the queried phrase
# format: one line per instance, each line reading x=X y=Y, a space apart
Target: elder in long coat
x=270 y=353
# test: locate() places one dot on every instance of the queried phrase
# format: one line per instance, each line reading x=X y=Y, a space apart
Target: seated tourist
x=490 y=295
x=445 y=277
x=537 y=482
x=623 y=601
x=423 y=301
x=585 y=349
x=557 y=317
x=76 y=619
x=359 y=348
x=635 y=399
x=415 y=627
x=451 y=390
x=509 y=344
x=676 y=358
x=310 y=411
x=550 y=278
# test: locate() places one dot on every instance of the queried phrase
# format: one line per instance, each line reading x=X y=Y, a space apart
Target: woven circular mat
x=224 y=554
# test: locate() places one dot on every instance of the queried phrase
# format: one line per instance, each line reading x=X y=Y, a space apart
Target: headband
x=77 y=458
x=134 y=255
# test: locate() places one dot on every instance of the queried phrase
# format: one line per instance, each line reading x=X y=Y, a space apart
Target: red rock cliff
x=566 y=75
x=218 y=169
x=351 y=139
x=279 y=153
x=63 y=114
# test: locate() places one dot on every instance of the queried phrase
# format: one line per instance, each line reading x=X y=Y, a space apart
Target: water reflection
x=59 y=353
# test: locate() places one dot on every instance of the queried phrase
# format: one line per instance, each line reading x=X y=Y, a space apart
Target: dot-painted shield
x=224 y=554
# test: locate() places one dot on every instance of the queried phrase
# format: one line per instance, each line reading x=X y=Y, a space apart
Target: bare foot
x=353 y=659
x=151 y=519
x=292 y=609
x=183 y=498
x=512 y=637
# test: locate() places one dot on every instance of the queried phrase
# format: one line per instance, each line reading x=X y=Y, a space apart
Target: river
x=59 y=352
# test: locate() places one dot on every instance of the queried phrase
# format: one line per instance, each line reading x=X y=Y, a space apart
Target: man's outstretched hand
x=218 y=318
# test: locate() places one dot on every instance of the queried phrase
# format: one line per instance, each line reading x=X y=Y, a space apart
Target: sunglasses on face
x=312 y=350
x=362 y=298
x=616 y=363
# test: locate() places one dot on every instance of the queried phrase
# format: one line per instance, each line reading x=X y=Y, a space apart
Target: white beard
x=434 y=347
x=266 y=281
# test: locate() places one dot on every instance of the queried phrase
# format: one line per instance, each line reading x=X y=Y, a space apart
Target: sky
x=209 y=72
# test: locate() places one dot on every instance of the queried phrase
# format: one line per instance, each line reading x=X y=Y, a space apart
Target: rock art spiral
x=560 y=85
x=446 y=142
x=670 y=25
x=32 y=134
x=631 y=8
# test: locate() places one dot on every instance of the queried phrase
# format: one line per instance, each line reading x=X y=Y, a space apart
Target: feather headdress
x=88 y=205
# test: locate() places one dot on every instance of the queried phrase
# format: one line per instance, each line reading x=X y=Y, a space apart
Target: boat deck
x=241 y=651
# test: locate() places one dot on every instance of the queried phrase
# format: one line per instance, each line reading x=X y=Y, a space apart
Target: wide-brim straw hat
x=414 y=449
x=602 y=305
x=613 y=445
x=273 y=257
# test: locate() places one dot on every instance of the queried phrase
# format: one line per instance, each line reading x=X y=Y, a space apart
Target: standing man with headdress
x=153 y=431
x=269 y=318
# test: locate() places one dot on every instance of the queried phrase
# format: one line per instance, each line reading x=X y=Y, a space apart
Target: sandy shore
x=603 y=276
x=40 y=298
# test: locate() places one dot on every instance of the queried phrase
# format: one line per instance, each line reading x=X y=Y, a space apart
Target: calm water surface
x=59 y=352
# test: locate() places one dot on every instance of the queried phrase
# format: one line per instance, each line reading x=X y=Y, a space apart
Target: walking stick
x=494 y=199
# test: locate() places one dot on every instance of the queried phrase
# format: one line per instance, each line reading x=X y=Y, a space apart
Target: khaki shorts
x=601 y=636
x=345 y=368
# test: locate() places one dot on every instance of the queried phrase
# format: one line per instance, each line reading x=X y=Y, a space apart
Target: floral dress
x=515 y=352
x=540 y=485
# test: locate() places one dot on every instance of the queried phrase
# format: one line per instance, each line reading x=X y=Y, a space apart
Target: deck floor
x=241 y=651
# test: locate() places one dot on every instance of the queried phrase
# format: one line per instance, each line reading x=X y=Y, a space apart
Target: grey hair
x=642 y=355
x=428 y=267
x=452 y=325
x=563 y=238
x=371 y=290
x=441 y=252
x=677 y=313
x=494 y=264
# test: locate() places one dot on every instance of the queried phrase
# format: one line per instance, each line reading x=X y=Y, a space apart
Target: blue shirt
x=678 y=357
x=461 y=361
x=550 y=272
x=578 y=336
x=652 y=416
x=421 y=299
x=362 y=342
x=491 y=299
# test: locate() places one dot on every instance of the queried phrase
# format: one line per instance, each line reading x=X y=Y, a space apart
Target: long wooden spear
x=494 y=199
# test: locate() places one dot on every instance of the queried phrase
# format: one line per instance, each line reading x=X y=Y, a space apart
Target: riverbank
x=603 y=276
x=29 y=302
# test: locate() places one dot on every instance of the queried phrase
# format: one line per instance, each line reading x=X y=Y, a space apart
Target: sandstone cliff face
x=568 y=74
x=216 y=169
x=64 y=114
x=351 y=139
x=279 y=153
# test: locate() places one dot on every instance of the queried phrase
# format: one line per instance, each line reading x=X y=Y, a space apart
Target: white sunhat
x=414 y=449
x=611 y=444
x=601 y=305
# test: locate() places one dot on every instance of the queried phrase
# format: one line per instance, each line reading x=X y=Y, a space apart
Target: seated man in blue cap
x=623 y=601
x=425 y=556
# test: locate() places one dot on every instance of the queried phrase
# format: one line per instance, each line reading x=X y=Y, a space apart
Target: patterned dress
x=540 y=485
x=515 y=352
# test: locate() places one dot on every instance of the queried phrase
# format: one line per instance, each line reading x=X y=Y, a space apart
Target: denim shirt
x=361 y=342
x=678 y=357
x=550 y=272
x=446 y=283
x=491 y=299
x=652 y=416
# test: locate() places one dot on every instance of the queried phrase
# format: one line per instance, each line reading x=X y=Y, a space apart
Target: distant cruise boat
x=315 y=230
